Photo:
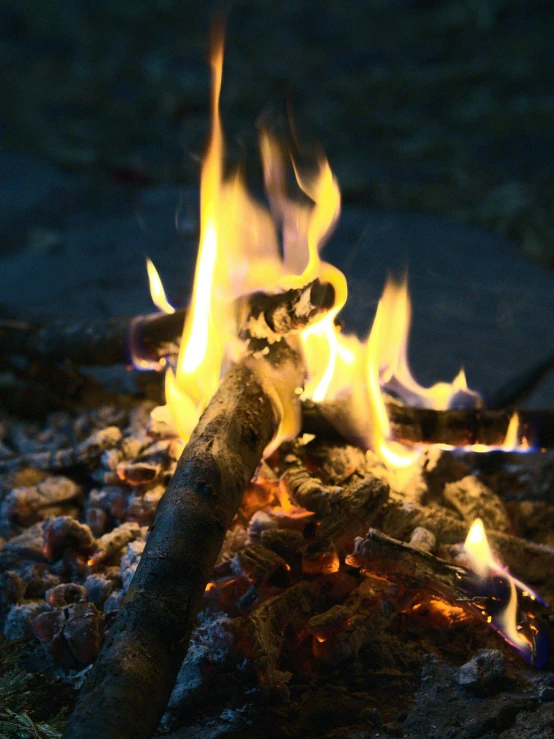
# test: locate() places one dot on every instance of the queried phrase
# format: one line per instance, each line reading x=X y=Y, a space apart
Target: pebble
x=483 y=672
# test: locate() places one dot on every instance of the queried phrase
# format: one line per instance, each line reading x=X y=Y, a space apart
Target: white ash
x=424 y=539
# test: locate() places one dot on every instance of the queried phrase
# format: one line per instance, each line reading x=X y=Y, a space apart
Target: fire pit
x=302 y=530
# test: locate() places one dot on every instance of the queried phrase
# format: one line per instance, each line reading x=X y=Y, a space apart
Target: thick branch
x=132 y=679
x=94 y=342
x=152 y=337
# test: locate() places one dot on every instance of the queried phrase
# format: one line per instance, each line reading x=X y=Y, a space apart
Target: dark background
x=437 y=117
x=441 y=105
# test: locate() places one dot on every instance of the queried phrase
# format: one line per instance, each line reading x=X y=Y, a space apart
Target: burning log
x=381 y=557
x=132 y=679
x=263 y=316
x=453 y=427
x=149 y=339
x=532 y=560
x=469 y=427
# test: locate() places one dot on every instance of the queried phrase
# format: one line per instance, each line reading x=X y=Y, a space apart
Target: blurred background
x=445 y=106
x=436 y=115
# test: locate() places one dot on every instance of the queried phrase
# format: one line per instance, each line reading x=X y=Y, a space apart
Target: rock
x=484 y=673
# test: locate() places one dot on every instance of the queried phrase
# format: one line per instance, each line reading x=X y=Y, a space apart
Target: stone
x=484 y=673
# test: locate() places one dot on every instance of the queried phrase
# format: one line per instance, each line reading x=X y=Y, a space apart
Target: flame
x=484 y=564
x=238 y=254
x=157 y=292
x=243 y=248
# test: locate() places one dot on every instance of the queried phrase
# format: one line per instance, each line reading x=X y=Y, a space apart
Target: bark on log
x=468 y=427
x=263 y=316
x=454 y=427
x=93 y=342
x=131 y=682
x=152 y=337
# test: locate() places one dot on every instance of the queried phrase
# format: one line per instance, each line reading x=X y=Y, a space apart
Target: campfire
x=298 y=497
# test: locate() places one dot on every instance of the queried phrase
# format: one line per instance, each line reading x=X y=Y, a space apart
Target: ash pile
x=335 y=608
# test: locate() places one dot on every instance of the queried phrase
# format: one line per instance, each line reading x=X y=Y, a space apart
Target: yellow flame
x=483 y=563
x=238 y=254
x=157 y=292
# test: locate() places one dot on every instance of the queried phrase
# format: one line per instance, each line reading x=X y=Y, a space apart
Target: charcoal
x=111 y=458
x=373 y=716
x=142 y=507
x=97 y=520
x=138 y=473
x=284 y=542
x=112 y=499
x=320 y=558
x=48 y=627
x=261 y=522
x=65 y=593
x=192 y=681
x=64 y=532
x=547 y=694
x=113 y=604
x=23 y=504
x=38 y=578
x=20 y=617
x=130 y=560
x=98 y=587
x=110 y=545
x=485 y=672
x=12 y=587
x=72 y=634
x=257 y=563
x=83 y=631
x=29 y=543
x=85 y=453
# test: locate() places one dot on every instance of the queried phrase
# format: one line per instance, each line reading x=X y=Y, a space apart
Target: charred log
x=263 y=316
x=94 y=342
x=454 y=427
x=132 y=679
x=152 y=337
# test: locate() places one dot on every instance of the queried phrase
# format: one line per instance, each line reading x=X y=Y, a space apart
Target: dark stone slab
x=476 y=301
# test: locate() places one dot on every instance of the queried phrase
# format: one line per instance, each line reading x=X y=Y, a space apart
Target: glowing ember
x=505 y=621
